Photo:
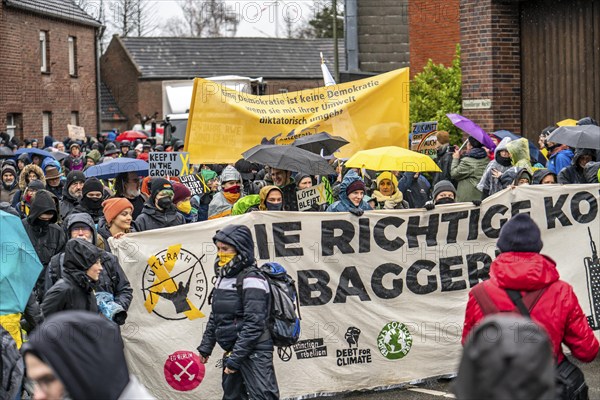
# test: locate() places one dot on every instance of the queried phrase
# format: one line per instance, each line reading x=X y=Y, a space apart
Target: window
x=44 y=65
x=72 y=56
x=14 y=125
x=47 y=123
x=75 y=118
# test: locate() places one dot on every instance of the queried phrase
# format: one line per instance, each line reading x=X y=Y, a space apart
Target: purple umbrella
x=474 y=130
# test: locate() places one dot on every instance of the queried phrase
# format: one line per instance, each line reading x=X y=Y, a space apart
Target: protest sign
x=76 y=132
x=168 y=163
x=382 y=295
x=193 y=182
x=310 y=196
x=369 y=113
x=423 y=139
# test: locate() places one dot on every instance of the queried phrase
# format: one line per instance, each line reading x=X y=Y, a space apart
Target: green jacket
x=468 y=171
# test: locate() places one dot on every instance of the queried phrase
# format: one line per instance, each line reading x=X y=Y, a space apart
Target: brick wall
x=434 y=32
x=25 y=90
x=491 y=62
x=383 y=35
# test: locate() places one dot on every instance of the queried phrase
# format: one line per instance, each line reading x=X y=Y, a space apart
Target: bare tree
x=206 y=18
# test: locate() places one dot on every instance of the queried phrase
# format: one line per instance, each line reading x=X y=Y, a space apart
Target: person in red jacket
x=521 y=267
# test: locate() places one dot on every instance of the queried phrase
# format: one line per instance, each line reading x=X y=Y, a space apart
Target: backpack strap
x=525 y=303
x=484 y=300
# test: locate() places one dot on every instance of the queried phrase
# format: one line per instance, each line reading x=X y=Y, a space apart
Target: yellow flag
x=369 y=113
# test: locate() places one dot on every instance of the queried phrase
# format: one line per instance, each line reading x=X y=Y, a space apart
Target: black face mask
x=504 y=161
x=273 y=206
x=444 y=200
x=164 y=203
x=41 y=223
x=91 y=204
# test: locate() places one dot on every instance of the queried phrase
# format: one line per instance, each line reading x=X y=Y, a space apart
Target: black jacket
x=444 y=161
x=81 y=209
x=290 y=201
x=238 y=323
x=153 y=218
x=574 y=173
x=67 y=204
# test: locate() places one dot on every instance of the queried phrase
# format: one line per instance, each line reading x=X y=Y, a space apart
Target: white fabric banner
x=382 y=296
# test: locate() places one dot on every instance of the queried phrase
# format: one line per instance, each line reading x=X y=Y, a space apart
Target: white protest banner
x=193 y=182
x=309 y=196
x=382 y=295
x=164 y=163
x=76 y=132
x=423 y=138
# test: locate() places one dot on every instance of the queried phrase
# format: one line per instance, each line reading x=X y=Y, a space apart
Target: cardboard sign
x=423 y=138
x=168 y=164
x=76 y=132
x=310 y=196
x=193 y=182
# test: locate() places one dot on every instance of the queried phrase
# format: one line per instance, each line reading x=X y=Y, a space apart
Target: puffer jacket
x=468 y=171
x=557 y=310
x=344 y=204
x=238 y=323
x=153 y=218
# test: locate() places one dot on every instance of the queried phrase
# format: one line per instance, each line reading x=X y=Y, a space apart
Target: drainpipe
x=98 y=33
x=351 y=36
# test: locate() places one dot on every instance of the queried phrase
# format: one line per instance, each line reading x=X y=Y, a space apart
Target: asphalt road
x=442 y=388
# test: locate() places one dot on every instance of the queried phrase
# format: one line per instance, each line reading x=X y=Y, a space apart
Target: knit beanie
x=114 y=207
x=387 y=175
x=354 y=186
x=230 y=174
x=159 y=184
x=75 y=176
x=443 y=186
x=520 y=234
x=181 y=192
x=9 y=168
x=36 y=184
x=92 y=185
x=208 y=174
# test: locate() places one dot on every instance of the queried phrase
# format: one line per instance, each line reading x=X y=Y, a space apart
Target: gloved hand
x=477 y=203
x=429 y=206
x=357 y=211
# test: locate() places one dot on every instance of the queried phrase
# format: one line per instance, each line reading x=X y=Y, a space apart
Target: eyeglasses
x=43 y=383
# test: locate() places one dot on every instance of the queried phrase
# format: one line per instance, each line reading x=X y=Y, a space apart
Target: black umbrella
x=583 y=137
x=289 y=158
x=5 y=152
x=321 y=141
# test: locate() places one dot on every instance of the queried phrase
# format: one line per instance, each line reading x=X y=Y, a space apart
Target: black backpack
x=284 y=313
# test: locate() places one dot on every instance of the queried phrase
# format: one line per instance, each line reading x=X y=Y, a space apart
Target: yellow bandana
x=224 y=258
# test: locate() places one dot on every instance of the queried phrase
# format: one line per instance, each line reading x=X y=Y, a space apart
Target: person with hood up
x=30 y=173
x=128 y=185
x=24 y=205
x=575 y=172
x=92 y=158
x=506 y=357
x=522 y=269
x=231 y=191
x=182 y=201
x=54 y=180
x=238 y=321
x=159 y=211
x=22 y=161
x=72 y=193
x=444 y=192
x=559 y=156
x=77 y=365
x=516 y=176
x=303 y=181
x=74 y=161
x=543 y=177
x=117 y=220
x=387 y=194
x=352 y=192
x=521 y=169
x=468 y=170
x=269 y=198
x=415 y=189
x=210 y=185
x=9 y=183
x=490 y=181
x=112 y=279
x=443 y=157
x=91 y=200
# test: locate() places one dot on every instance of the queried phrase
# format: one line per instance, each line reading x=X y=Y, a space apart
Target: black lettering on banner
x=554 y=211
x=412 y=281
x=430 y=230
x=379 y=234
x=474 y=224
x=453 y=219
x=350 y=276
x=447 y=273
x=377 y=281
x=517 y=206
x=306 y=289
x=576 y=209
x=342 y=242
x=282 y=240
x=486 y=222
x=476 y=274
x=364 y=235
x=261 y=241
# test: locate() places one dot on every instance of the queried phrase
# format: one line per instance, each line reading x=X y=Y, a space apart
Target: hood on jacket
x=94 y=155
x=519 y=152
x=230 y=174
x=592 y=172
x=240 y=237
x=81 y=218
x=540 y=174
x=50 y=161
x=582 y=152
x=523 y=271
x=503 y=145
x=24 y=179
x=43 y=202
x=350 y=177
x=86 y=353
x=80 y=255
x=264 y=193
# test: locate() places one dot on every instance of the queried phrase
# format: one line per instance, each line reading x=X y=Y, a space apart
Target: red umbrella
x=131 y=135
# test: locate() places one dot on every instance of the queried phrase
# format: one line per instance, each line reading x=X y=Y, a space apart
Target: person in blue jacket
x=352 y=193
x=559 y=157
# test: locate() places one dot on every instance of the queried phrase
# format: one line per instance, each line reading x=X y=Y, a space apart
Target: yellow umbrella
x=392 y=158
x=567 y=122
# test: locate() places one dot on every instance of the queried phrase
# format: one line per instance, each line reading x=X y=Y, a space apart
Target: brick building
x=48 y=72
x=133 y=68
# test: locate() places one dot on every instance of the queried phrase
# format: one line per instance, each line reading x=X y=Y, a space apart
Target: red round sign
x=183 y=371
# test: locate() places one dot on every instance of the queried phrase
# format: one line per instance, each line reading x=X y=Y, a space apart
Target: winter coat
x=592 y=172
x=7 y=192
x=290 y=201
x=104 y=232
x=67 y=203
x=81 y=209
x=56 y=190
x=219 y=206
x=153 y=218
x=574 y=173
x=24 y=176
x=238 y=323
x=203 y=205
x=344 y=204
x=444 y=161
x=559 y=160
x=246 y=204
x=468 y=171
x=11 y=366
x=557 y=310
x=540 y=174
x=415 y=191
x=488 y=184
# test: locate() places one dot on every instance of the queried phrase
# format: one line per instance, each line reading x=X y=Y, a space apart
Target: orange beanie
x=114 y=206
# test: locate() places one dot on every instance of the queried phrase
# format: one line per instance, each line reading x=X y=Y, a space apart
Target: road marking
x=433 y=392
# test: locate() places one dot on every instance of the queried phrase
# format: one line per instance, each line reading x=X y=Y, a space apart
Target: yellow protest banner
x=369 y=113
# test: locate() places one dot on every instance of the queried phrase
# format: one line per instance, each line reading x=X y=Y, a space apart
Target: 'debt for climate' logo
x=174 y=284
x=394 y=341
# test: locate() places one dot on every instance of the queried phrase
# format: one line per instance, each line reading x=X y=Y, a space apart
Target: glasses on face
x=43 y=383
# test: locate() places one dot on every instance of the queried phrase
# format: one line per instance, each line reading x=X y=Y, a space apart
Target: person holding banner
x=387 y=195
x=283 y=179
x=238 y=320
x=159 y=211
x=231 y=191
x=352 y=193
x=182 y=201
